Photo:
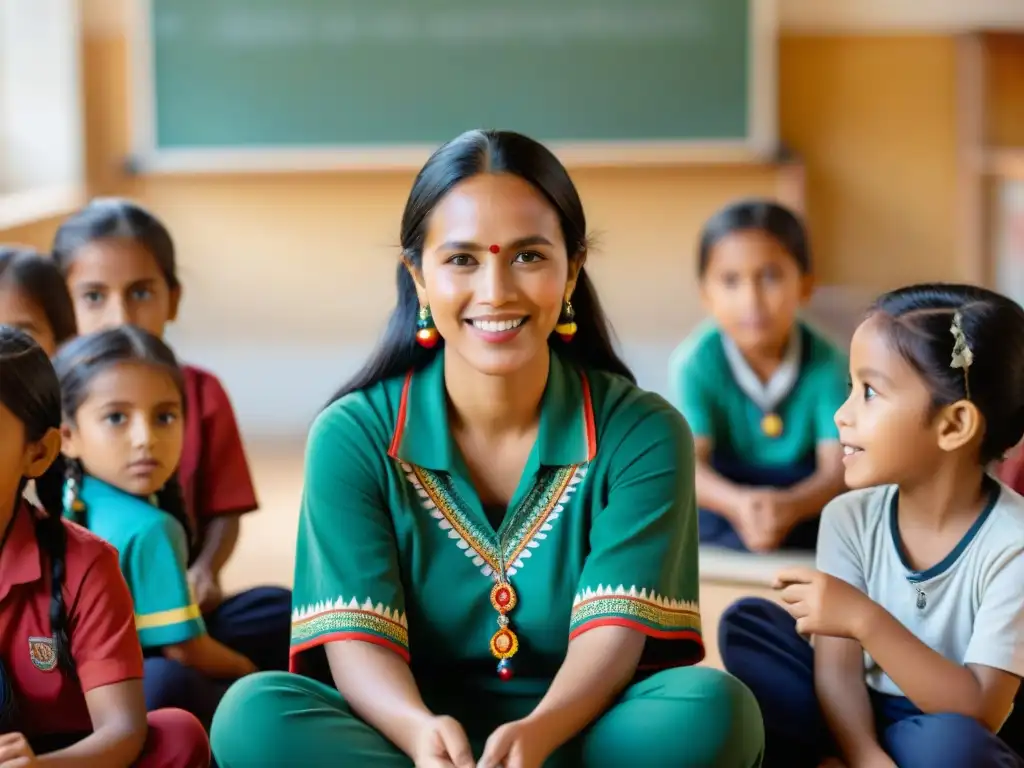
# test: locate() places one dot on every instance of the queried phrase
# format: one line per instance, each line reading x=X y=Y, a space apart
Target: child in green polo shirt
x=123 y=401
x=758 y=386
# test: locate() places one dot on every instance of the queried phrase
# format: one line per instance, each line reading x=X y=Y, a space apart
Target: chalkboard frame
x=760 y=144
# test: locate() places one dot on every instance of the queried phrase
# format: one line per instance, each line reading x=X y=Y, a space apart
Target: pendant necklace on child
x=922 y=598
x=767 y=396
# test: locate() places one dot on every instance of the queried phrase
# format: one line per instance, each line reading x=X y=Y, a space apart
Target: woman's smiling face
x=495 y=272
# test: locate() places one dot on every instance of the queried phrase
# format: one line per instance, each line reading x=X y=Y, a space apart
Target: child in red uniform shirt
x=119 y=264
x=33 y=297
x=70 y=660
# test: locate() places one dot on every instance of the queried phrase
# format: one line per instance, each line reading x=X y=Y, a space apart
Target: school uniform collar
x=767 y=395
x=566 y=434
x=93 y=491
x=19 y=560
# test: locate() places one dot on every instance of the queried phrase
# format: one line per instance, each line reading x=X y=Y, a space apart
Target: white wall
x=41 y=143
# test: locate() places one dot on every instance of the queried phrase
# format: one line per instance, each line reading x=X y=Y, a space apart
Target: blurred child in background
x=34 y=298
x=758 y=386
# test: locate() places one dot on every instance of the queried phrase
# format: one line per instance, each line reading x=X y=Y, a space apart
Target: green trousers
x=679 y=718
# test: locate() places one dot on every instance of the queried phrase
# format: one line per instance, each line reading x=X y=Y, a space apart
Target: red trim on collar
x=396 y=437
x=588 y=417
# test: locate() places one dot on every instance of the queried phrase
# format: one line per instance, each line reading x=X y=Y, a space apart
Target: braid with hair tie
x=53 y=539
x=31 y=392
x=72 y=506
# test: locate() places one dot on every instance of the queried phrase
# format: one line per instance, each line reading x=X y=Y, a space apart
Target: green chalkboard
x=265 y=75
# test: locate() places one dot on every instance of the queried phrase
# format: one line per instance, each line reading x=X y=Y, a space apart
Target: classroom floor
x=266 y=548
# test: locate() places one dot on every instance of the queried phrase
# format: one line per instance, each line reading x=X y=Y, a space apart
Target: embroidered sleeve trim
x=167 y=618
x=331 y=620
x=649 y=612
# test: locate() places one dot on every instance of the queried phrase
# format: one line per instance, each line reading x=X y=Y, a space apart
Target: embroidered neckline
x=519 y=534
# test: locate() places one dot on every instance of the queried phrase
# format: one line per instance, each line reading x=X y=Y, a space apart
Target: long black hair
x=761 y=215
x=113 y=218
x=30 y=391
x=39 y=279
x=919 y=319
x=473 y=153
x=81 y=361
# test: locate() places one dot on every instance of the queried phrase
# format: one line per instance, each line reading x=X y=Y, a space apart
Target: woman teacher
x=498 y=540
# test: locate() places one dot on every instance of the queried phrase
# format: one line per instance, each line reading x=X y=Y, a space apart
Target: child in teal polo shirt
x=123 y=399
x=758 y=386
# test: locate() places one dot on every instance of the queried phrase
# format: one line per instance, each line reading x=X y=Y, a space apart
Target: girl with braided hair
x=70 y=662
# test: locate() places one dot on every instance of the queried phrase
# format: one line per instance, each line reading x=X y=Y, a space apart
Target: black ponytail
x=172 y=501
x=918 y=321
x=53 y=540
x=30 y=391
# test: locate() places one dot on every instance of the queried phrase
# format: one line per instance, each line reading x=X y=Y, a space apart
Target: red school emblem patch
x=43 y=653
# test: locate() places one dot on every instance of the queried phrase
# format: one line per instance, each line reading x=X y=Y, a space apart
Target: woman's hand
x=16 y=753
x=519 y=744
x=442 y=743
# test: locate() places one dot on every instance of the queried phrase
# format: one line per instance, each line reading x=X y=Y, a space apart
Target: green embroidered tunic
x=395 y=547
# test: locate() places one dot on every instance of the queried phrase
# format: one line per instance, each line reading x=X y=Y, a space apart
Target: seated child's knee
x=744 y=607
x=177 y=738
x=941 y=741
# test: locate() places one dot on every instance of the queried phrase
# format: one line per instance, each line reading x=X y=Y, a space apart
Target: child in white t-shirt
x=916 y=608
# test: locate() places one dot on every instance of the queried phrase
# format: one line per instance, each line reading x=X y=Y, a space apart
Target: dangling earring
x=566 y=327
x=426 y=333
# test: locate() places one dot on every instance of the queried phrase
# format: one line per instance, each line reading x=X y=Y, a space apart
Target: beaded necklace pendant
x=504 y=642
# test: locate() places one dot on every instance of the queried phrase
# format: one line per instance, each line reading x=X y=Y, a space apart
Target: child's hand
x=205 y=588
x=15 y=752
x=763 y=519
x=823 y=604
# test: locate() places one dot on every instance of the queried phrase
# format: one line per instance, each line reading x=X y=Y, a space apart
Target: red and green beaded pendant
x=504 y=642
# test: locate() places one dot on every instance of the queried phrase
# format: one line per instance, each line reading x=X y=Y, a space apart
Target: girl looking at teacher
x=917 y=604
x=497 y=556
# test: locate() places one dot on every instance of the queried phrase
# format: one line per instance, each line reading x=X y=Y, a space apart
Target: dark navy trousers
x=256 y=623
x=715 y=529
x=760 y=645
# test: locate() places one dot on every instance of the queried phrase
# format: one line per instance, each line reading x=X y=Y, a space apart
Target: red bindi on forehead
x=495 y=249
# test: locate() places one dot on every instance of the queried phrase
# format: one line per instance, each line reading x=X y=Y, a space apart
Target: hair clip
x=963 y=357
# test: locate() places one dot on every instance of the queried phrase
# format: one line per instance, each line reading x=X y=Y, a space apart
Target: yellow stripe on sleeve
x=167 y=618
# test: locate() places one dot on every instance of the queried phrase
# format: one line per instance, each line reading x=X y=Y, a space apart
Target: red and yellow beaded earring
x=426 y=333
x=566 y=327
